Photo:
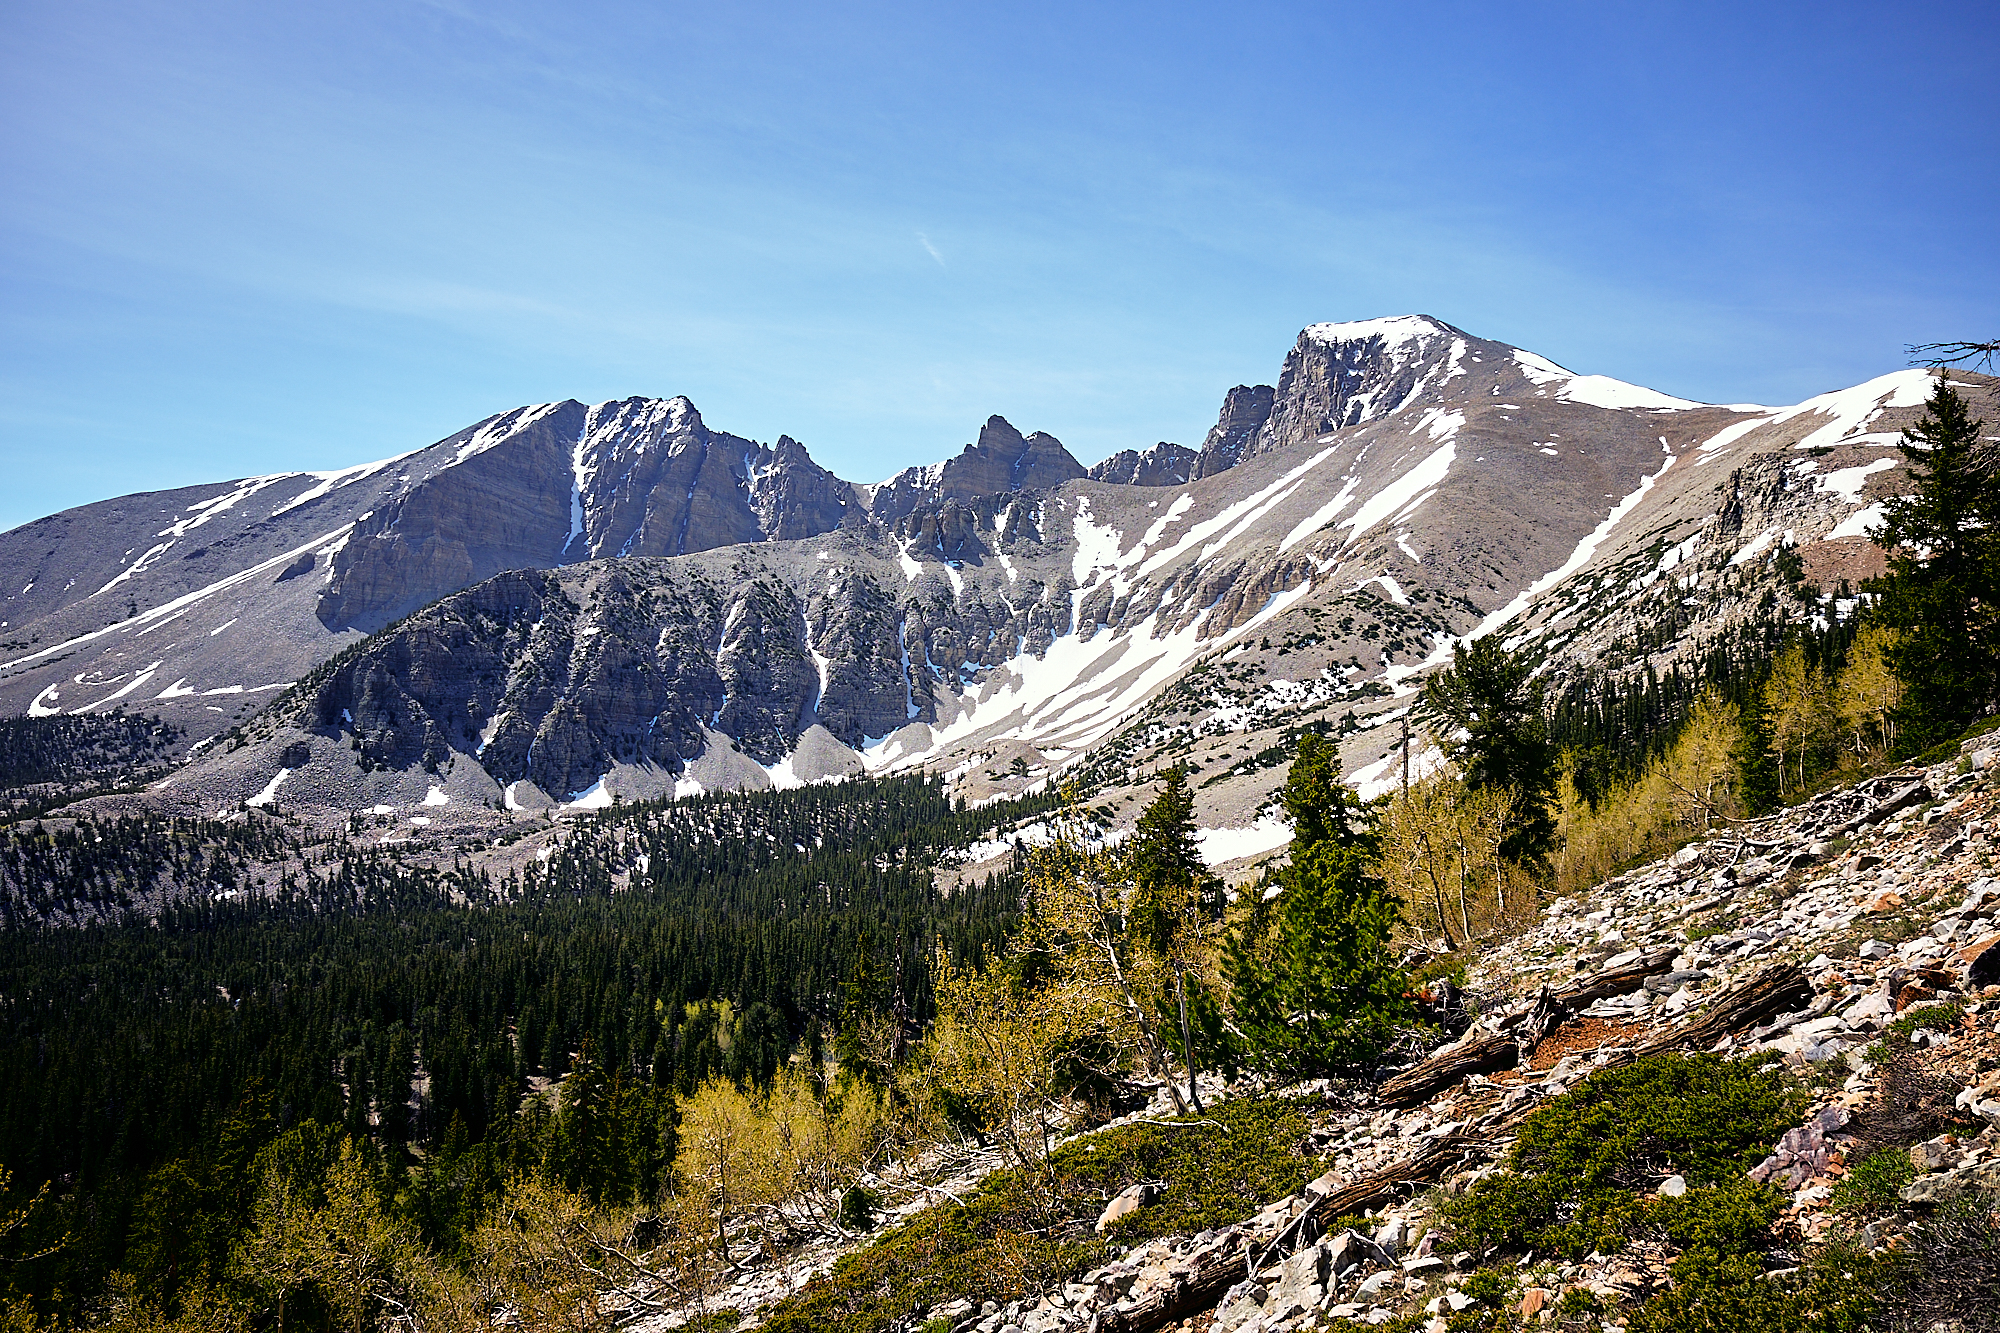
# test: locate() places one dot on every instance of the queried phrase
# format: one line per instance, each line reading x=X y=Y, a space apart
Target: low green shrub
x=857 y=1208
x=1869 y=1187
x=1734 y=1217
x=1579 y=1174
x=1576 y=1172
x=1715 y=1291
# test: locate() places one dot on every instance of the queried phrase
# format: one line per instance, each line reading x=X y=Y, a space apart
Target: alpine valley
x=566 y=605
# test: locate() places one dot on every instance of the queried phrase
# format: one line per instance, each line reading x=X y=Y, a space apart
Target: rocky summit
x=567 y=603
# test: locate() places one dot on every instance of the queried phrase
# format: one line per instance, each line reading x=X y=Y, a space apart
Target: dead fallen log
x=1552 y=1008
x=1776 y=988
x=1443 y=1069
x=1914 y=794
x=1357 y=1196
x=1586 y=991
x=1195 y=1286
x=1209 y=1273
x=1532 y=1028
x=1378 y=1188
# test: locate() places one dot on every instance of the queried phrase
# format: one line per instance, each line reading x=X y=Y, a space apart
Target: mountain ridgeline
x=575 y=602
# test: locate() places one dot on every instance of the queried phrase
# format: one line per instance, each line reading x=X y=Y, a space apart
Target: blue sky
x=241 y=238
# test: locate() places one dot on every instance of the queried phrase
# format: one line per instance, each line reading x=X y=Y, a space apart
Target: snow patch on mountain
x=1847 y=481
x=1603 y=391
x=1577 y=558
x=1320 y=517
x=1395 y=331
x=1386 y=502
x=1595 y=390
x=136 y=682
x=1096 y=545
x=1218 y=845
x=497 y=430
x=1256 y=505
x=270 y=792
x=333 y=481
x=173 y=609
x=1860 y=523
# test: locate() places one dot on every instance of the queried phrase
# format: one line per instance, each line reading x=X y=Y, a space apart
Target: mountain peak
x=1000 y=460
x=1391 y=331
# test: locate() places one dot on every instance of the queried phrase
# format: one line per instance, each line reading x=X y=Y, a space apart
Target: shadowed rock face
x=1162 y=465
x=558 y=676
x=1245 y=409
x=514 y=673
x=1002 y=460
x=499 y=509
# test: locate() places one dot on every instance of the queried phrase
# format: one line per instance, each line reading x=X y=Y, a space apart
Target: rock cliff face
x=1342 y=375
x=1245 y=409
x=1162 y=465
x=1000 y=461
x=558 y=678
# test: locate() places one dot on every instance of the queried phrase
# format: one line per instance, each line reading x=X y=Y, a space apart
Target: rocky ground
x=1803 y=936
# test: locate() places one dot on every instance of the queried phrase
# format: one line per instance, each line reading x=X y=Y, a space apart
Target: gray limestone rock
x=1245 y=409
x=1162 y=465
x=1000 y=461
x=1302 y=1282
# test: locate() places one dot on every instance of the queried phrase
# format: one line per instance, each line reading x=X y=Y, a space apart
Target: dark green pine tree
x=1170 y=885
x=1487 y=712
x=1315 y=989
x=1320 y=806
x=1163 y=858
x=1757 y=769
x=1943 y=589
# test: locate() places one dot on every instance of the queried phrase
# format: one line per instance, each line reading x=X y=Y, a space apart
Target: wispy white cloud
x=930 y=249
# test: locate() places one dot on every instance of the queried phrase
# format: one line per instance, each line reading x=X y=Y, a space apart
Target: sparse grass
x=1951 y=1276
x=1937 y=1017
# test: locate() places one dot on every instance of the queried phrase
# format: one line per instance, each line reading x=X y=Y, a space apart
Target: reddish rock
x=1981 y=961
x=1913 y=992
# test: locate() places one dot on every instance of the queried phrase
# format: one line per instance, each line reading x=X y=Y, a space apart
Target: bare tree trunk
x=1444 y=913
x=1187 y=1039
x=1464 y=874
x=1149 y=1040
